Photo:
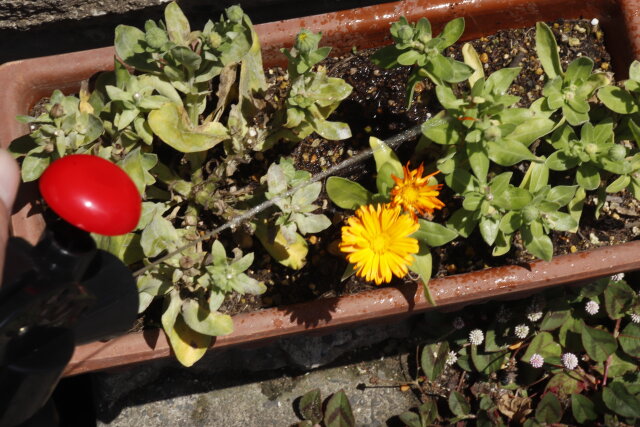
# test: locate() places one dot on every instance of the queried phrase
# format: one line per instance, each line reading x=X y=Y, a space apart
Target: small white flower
x=534 y=312
x=595 y=21
x=617 y=277
x=476 y=337
x=503 y=315
x=452 y=358
x=534 y=316
x=635 y=318
x=536 y=360
x=570 y=361
x=458 y=323
x=522 y=331
x=592 y=307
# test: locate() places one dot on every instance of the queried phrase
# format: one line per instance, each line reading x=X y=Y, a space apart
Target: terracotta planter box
x=25 y=82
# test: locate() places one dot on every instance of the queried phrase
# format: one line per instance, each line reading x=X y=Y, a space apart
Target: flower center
x=410 y=193
x=379 y=243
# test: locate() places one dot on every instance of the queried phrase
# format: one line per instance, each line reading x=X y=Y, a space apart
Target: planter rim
x=25 y=82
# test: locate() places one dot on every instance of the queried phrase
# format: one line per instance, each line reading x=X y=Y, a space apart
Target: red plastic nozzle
x=92 y=193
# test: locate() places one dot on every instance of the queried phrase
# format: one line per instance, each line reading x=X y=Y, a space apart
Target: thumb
x=9 y=178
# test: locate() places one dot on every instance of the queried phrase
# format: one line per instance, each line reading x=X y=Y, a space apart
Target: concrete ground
x=260 y=387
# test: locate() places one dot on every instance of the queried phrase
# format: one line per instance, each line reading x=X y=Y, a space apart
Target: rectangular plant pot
x=25 y=82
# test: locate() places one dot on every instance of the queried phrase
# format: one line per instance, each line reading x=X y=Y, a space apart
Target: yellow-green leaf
x=290 y=255
x=172 y=125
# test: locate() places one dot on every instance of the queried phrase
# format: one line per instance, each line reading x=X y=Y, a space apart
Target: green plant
x=414 y=45
x=294 y=215
x=568 y=356
x=337 y=412
x=312 y=96
x=568 y=90
x=180 y=118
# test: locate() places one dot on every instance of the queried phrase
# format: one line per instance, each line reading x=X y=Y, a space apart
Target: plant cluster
x=180 y=113
x=566 y=356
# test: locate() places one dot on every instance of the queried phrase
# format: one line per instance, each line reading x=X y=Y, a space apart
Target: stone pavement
x=258 y=387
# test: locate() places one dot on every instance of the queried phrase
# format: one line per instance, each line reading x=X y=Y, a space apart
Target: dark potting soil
x=376 y=107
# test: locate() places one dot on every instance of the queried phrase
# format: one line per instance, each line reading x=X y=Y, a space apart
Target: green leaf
x=434 y=234
x=171 y=124
x=451 y=33
x=489 y=227
x=137 y=168
x=384 y=180
x=508 y=152
x=532 y=129
x=575 y=206
x=547 y=50
x=338 y=412
x=618 y=297
x=158 y=236
x=347 y=194
x=563 y=384
x=629 y=340
x=513 y=198
x=599 y=344
x=130 y=50
x=333 y=131
x=554 y=319
x=201 y=320
x=382 y=154
x=177 y=24
x=422 y=265
x=478 y=159
x=549 y=409
x=433 y=359
x=560 y=221
x=487 y=363
x=561 y=194
x=125 y=246
x=588 y=176
x=620 y=400
x=458 y=404
x=443 y=129
x=583 y=409
x=463 y=222
x=34 y=165
x=310 y=406
x=579 y=70
x=543 y=344
x=618 y=100
x=619 y=184
x=536 y=177
x=461 y=181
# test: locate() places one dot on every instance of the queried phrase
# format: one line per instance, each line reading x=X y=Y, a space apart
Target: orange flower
x=376 y=240
x=414 y=193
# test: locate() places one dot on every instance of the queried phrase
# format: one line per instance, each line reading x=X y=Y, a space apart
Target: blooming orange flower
x=414 y=194
x=376 y=240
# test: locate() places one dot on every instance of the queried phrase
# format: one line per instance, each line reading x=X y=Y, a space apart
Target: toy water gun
x=64 y=291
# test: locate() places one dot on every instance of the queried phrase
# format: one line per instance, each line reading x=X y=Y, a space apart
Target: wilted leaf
x=171 y=124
